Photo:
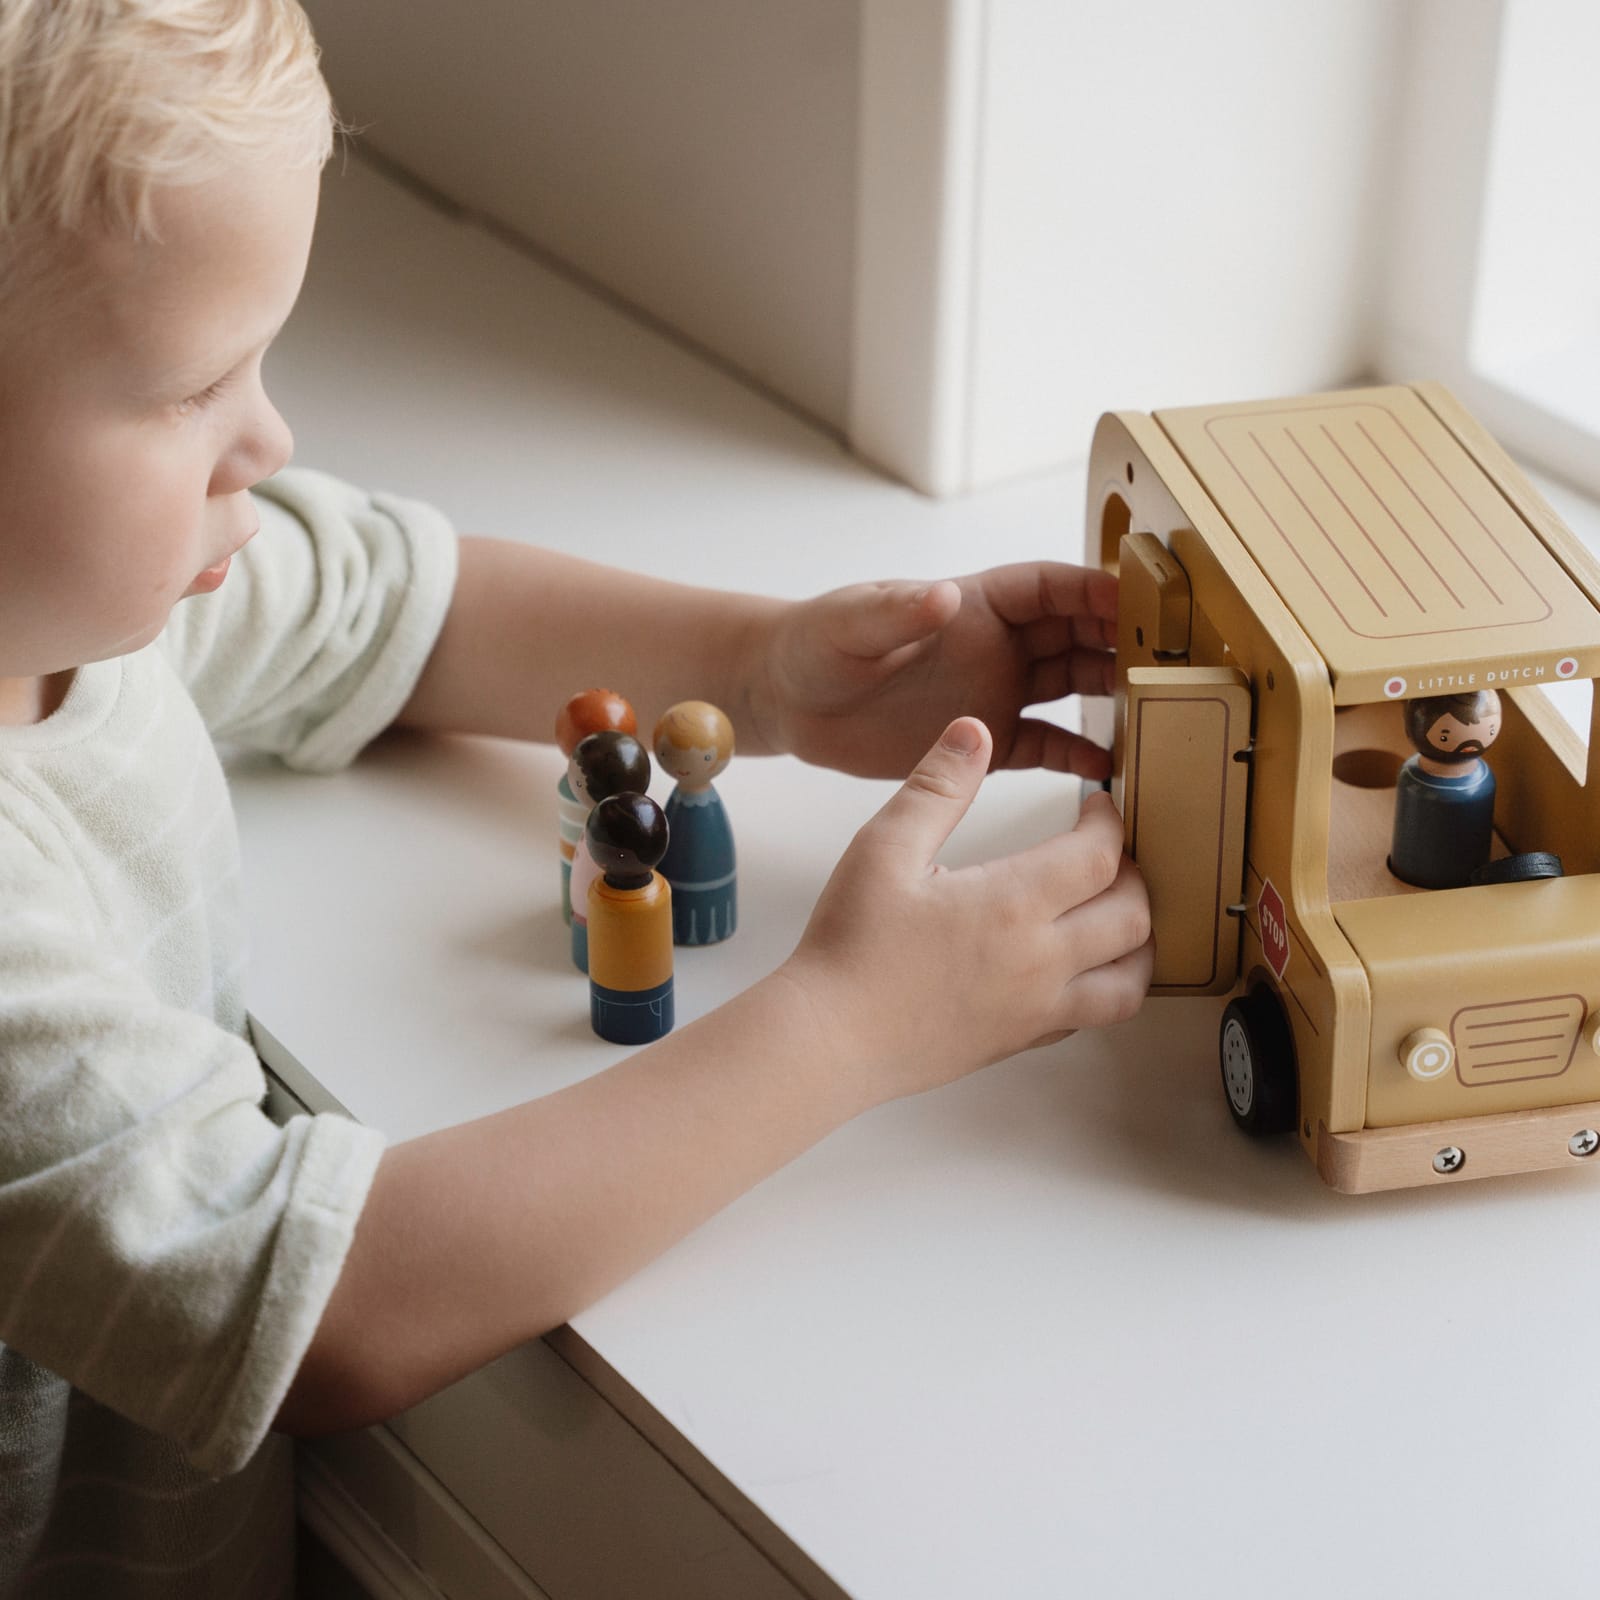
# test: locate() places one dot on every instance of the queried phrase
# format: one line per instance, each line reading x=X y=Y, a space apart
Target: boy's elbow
x=336 y=1392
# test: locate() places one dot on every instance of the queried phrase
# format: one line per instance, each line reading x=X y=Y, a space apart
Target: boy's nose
x=258 y=451
x=277 y=445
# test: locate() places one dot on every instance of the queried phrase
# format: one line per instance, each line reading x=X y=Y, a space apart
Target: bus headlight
x=1427 y=1052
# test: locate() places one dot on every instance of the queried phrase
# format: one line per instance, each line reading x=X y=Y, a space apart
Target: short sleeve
x=315 y=641
x=164 y=1246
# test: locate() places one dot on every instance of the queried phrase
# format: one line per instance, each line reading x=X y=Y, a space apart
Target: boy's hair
x=104 y=102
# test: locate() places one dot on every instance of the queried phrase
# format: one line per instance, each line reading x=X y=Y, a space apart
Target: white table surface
x=1058 y=1329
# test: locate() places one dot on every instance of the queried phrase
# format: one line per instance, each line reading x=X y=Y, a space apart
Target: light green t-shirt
x=165 y=1249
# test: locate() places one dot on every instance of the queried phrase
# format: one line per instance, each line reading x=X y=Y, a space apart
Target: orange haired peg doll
x=592 y=711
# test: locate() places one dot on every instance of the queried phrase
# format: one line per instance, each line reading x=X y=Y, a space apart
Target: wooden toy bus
x=1291 y=572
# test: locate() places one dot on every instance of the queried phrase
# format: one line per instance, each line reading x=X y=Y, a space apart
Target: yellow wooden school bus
x=1291 y=572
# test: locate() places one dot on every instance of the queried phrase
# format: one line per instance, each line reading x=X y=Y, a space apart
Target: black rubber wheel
x=1256 y=1049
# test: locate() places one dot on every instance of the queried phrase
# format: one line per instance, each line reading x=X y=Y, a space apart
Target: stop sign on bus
x=1274 y=928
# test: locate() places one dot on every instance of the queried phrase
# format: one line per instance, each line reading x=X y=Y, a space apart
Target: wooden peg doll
x=1444 y=797
x=630 y=922
x=694 y=743
x=593 y=711
x=603 y=764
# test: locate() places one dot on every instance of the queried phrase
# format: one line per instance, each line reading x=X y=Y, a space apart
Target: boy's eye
x=197 y=402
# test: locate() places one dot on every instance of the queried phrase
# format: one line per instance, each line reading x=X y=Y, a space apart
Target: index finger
x=1028 y=590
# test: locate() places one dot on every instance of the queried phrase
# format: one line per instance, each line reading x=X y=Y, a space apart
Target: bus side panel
x=1184 y=813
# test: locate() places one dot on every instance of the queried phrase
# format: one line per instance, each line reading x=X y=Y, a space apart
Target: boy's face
x=133 y=422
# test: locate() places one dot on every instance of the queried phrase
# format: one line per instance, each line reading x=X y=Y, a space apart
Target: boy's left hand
x=865 y=678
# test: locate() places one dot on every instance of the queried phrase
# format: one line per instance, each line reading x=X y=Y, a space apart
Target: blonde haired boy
x=178 y=1276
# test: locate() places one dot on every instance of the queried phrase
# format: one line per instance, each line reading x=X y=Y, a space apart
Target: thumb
x=924 y=811
x=872 y=621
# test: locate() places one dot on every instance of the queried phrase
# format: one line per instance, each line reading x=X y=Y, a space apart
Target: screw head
x=1450 y=1159
x=1584 y=1142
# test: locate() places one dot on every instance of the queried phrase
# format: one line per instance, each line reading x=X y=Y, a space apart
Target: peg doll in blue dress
x=693 y=743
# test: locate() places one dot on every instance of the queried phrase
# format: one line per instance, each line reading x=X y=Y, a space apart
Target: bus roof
x=1397 y=553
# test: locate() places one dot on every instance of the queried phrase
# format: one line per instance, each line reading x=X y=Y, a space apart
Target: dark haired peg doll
x=694 y=743
x=1444 y=798
x=630 y=922
x=591 y=711
x=603 y=764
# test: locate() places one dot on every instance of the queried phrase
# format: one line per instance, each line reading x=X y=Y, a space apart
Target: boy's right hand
x=479 y=1236
x=919 y=973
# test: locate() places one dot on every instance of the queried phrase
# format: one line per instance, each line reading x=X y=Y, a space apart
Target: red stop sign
x=1274 y=923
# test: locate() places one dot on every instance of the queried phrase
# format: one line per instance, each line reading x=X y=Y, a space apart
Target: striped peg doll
x=592 y=711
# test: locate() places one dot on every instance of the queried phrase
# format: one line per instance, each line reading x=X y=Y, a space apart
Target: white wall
x=952 y=230
x=1493 y=245
x=1540 y=281
x=1177 y=203
x=1435 y=191
x=696 y=157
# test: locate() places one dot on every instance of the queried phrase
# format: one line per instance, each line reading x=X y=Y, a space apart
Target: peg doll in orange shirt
x=630 y=922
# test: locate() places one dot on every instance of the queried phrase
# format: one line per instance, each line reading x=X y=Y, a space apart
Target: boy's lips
x=212 y=577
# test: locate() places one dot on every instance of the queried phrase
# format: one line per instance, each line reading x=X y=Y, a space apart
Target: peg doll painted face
x=693 y=743
x=1450 y=730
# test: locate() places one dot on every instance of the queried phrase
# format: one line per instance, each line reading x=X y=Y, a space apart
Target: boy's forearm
x=529 y=628
x=482 y=1236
